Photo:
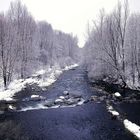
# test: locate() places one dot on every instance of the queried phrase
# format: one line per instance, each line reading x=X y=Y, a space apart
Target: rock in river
x=66 y=92
x=57 y=101
x=49 y=103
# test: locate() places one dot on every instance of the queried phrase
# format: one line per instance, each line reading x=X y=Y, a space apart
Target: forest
x=27 y=45
x=113 y=47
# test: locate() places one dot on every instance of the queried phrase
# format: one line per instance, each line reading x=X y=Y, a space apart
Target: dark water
x=90 y=121
x=131 y=111
x=130 y=108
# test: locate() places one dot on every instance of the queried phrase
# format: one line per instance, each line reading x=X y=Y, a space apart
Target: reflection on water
x=10 y=130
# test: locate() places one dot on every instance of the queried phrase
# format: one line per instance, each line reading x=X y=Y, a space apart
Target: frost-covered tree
x=25 y=27
x=113 y=46
x=27 y=45
x=8 y=50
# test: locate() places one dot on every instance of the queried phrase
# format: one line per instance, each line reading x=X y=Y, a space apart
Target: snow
x=33 y=108
x=48 y=81
x=81 y=102
x=112 y=111
x=37 y=107
x=40 y=72
x=132 y=127
x=62 y=97
x=54 y=74
x=58 y=100
x=13 y=88
x=34 y=96
x=11 y=107
x=117 y=94
x=56 y=106
x=110 y=108
x=58 y=72
x=49 y=77
x=65 y=92
x=70 y=67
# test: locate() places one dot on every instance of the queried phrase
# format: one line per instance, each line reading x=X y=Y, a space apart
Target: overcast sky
x=70 y=16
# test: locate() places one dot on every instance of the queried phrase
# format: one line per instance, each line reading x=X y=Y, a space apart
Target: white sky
x=70 y=16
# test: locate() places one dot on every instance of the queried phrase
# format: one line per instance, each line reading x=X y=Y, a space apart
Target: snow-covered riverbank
x=43 y=78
